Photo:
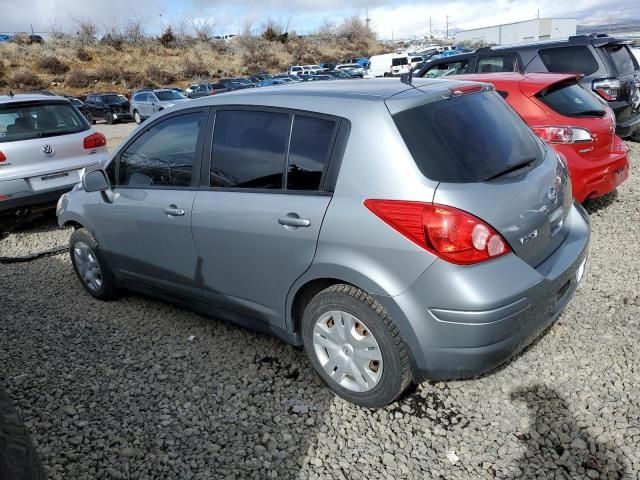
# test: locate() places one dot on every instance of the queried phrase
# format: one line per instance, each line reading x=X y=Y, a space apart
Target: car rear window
x=621 y=57
x=399 y=61
x=29 y=120
x=569 y=60
x=168 y=95
x=465 y=139
x=571 y=100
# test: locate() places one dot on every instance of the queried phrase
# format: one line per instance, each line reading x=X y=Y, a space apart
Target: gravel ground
x=139 y=389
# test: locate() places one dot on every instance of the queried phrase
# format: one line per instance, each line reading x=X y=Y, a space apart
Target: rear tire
x=137 y=117
x=109 y=118
x=18 y=457
x=90 y=119
x=367 y=329
x=91 y=266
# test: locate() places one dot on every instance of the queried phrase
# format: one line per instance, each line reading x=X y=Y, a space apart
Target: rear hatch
x=490 y=164
x=628 y=74
x=581 y=109
x=43 y=143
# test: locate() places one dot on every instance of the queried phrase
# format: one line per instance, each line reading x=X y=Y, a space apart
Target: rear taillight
x=2 y=157
x=451 y=234
x=94 y=140
x=563 y=134
x=3 y=198
x=608 y=88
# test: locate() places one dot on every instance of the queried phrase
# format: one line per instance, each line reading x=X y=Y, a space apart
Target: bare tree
x=326 y=29
x=355 y=29
x=133 y=30
x=203 y=29
x=86 y=29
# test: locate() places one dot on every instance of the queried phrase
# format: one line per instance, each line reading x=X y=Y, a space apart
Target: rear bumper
x=594 y=178
x=628 y=127
x=463 y=321
x=34 y=200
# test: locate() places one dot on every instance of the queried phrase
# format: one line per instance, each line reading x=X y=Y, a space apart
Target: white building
x=518 y=32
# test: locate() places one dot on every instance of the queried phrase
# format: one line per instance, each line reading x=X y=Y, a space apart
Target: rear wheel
x=90 y=265
x=355 y=347
x=109 y=118
x=137 y=117
x=90 y=118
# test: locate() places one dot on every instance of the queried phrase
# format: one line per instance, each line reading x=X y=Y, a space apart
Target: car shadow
x=556 y=447
x=593 y=205
x=34 y=223
x=141 y=389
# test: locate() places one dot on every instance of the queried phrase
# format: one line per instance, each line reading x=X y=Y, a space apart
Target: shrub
x=78 y=79
x=26 y=79
x=1 y=69
x=193 y=70
x=83 y=55
x=167 y=39
x=108 y=74
x=156 y=74
x=113 y=41
x=53 y=65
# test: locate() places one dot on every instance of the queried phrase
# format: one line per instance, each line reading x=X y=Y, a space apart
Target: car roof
x=30 y=97
x=336 y=96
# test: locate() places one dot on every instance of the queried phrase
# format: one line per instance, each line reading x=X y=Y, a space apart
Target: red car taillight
x=2 y=157
x=451 y=234
x=563 y=134
x=608 y=88
x=95 y=140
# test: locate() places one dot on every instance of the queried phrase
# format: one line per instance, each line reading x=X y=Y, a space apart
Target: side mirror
x=96 y=181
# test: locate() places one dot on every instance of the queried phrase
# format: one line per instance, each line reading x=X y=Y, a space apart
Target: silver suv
x=399 y=232
x=147 y=102
x=45 y=146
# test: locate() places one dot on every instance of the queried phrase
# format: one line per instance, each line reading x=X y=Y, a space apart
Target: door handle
x=293 y=220
x=174 y=211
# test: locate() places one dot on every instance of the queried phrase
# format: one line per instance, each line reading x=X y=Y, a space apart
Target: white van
x=380 y=65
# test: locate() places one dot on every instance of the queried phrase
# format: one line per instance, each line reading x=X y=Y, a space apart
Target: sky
x=389 y=18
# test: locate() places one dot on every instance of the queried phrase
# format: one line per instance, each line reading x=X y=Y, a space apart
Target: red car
x=573 y=121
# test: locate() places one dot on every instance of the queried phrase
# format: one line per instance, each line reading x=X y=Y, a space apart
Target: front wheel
x=109 y=118
x=90 y=265
x=137 y=117
x=355 y=347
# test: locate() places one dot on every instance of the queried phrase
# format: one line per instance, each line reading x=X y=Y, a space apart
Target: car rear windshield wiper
x=514 y=168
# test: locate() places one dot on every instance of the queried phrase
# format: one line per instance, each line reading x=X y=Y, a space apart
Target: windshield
x=169 y=95
x=26 y=121
x=113 y=99
x=465 y=139
x=572 y=100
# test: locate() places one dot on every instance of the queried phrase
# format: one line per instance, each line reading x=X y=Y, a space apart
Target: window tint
x=446 y=69
x=163 y=155
x=466 y=139
x=26 y=120
x=621 y=57
x=311 y=142
x=569 y=60
x=399 y=61
x=249 y=149
x=507 y=63
x=572 y=100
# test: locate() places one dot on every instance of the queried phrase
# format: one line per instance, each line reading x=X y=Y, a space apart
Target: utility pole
x=447 y=26
x=367 y=20
x=430 y=32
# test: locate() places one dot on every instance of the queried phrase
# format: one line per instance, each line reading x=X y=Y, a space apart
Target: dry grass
x=75 y=65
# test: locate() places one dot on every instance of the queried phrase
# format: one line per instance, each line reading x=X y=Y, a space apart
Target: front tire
x=137 y=117
x=355 y=347
x=109 y=118
x=90 y=265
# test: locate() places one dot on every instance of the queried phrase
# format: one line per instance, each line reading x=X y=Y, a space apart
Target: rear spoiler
x=531 y=88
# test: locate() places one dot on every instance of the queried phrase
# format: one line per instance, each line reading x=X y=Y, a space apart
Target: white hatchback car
x=45 y=146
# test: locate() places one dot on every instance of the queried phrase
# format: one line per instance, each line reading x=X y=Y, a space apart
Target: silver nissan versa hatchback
x=45 y=146
x=399 y=232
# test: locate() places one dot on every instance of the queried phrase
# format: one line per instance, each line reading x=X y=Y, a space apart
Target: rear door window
x=445 y=69
x=163 y=156
x=309 y=152
x=621 y=57
x=249 y=149
x=465 y=139
x=495 y=64
x=29 y=120
x=571 y=100
x=576 y=59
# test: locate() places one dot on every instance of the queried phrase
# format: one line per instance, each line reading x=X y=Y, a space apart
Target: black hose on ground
x=34 y=256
